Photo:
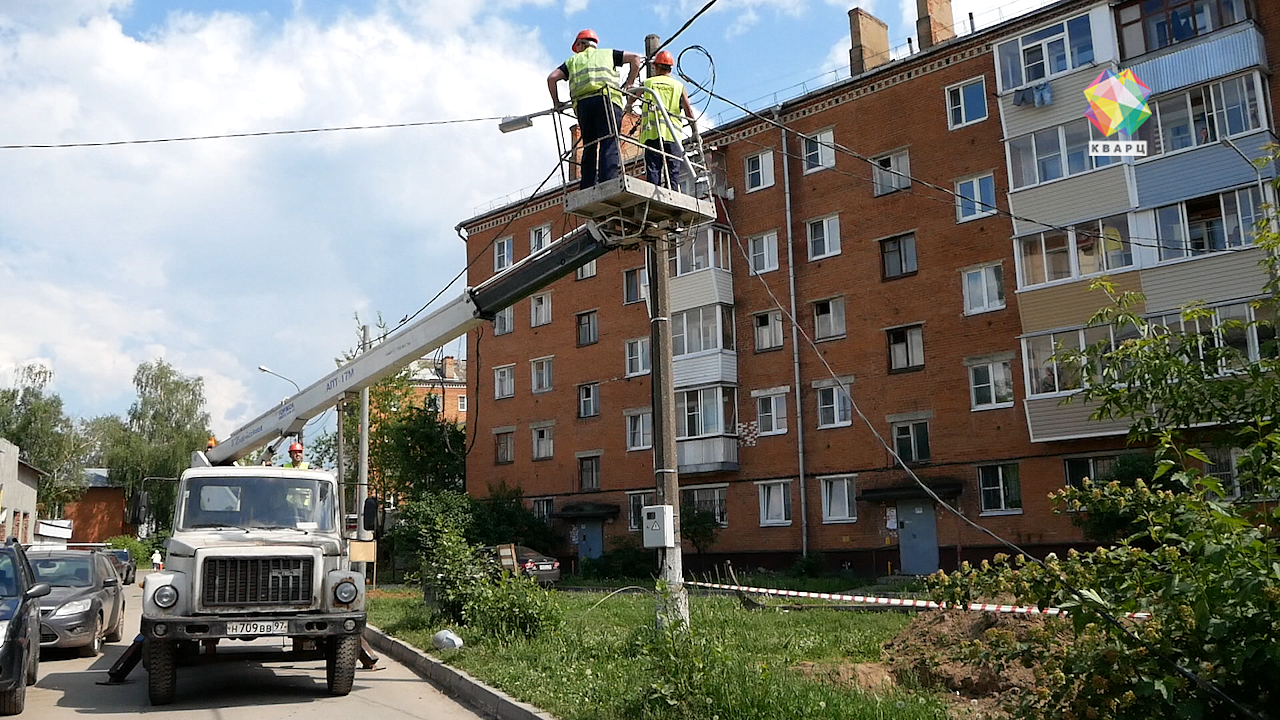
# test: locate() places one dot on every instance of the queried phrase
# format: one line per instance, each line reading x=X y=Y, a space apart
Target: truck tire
x=162 y=672
x=340 y=658
x=13 y=701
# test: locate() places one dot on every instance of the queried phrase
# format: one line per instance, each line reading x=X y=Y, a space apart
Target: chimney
x=933 y=22
x=449 y=369
x=870 y=41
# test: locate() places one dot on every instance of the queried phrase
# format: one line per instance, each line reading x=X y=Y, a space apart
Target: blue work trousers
x=598 y=121
x=653 y=158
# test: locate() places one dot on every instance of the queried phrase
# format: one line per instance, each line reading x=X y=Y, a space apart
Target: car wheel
x=162 y=672
x=13 y=701
x=33 y=666
x=94 y=648
x=117 y=632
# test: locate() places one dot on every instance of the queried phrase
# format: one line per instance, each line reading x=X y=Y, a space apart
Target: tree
x=699 y=527
x=32 y=417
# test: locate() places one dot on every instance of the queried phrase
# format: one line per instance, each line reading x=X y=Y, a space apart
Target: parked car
x=542 y=568
x=85 y=605
x=126 y=565
x=20 y=595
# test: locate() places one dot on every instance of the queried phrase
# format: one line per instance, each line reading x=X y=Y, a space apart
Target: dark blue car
x=19 y=627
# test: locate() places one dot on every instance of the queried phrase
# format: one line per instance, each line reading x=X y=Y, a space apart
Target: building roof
x=97 y=477
x=32 y=468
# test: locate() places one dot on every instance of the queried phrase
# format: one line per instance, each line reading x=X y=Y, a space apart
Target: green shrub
x=625 y=559
x=141 y=553
x=511 y=607
x=811 y=566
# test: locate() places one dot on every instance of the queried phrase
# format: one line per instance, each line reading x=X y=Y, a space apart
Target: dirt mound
x=871 y=677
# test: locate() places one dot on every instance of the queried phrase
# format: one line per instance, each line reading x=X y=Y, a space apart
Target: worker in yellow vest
x=660 y=142
x=295 y=458
x=597 y=102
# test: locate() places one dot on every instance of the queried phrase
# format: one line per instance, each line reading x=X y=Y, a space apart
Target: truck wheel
x=13 y=701
x=162 y=673
x=94 y=648
x=340 y=657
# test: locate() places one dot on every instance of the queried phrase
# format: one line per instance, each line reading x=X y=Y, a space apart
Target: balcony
x=706 y=455
x=1231 y=50
x=709 y=367
x=1049 y=420
x=701 y=287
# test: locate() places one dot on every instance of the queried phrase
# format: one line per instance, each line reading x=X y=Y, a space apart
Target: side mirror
x=37 y=591
x=139 y=508
x=111 y=582
x=369 y=514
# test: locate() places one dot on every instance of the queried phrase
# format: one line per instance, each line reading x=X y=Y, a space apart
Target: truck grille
x=234 y=581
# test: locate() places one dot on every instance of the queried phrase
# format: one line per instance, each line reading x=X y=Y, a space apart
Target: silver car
x=85 y=605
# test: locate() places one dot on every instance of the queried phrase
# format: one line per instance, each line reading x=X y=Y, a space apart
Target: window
x=911 y=441
x=504 y=321
x=706 y=328
x=1223 y=466
x=637 y=502
x=638 y=357
x=540 y=310
x=891 y=172
x=819 y=150
x=771 y=414
x=1000 y=489
x=1094 y=468
x=1152 y=24
x=502 y=254
x=759 y=168
x=587 y=271
x=589 y=400
x=709 y=411
x=504 y=382
x=824 y=237
x=838 y=499
x=764 y=252
x=462 y=403
x=983 y=289
x=714 y=500
x=1053 y=153
x=1045 y=374
x=1249 y=331
x=543 y=443
x=589 y=472
x=906 y=348
x=635 y=286
x=899 y=255
x=708 y=247
x=1208 y=224
x=775 y=503
x=588 y=333
x=539 y=238
x=975 y=198
x=768 y=330
x=541 y=375
x=1045 y=53
x=1202 y=115
x=1086 y=248
x=990 y=385
x=504 y=447
x=828 y=319
x=640 y=430
x=542 y=508
x=966 y=103
x=835 y=408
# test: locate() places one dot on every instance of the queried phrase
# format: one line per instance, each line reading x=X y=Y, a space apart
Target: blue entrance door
x=591 y=539
x=917 y=537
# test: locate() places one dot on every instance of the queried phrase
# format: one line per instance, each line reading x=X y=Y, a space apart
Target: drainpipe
x=795 y=342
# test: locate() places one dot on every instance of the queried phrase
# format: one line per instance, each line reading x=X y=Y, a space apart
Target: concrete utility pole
x=675 y=606
x=342 y=456
x=362 y=490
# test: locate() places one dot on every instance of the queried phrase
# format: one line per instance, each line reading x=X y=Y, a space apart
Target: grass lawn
x=601 y=664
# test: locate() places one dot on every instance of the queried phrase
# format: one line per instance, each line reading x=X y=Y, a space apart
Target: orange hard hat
x=664 y=58
x=295 y=446
x=587 y=34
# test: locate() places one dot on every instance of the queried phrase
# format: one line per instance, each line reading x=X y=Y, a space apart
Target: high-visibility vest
x=592 y=71
x=669 y=92
x=304 y=465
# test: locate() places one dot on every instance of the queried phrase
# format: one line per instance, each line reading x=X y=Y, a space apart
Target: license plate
x=258 y=628
x=546 y=566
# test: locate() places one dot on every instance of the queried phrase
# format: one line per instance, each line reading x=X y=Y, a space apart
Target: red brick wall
x=98 y=514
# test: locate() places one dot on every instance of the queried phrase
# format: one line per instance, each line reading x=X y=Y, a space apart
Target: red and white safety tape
x=897 y=602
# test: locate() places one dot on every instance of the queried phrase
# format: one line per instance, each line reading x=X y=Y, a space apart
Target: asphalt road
x=68 y=688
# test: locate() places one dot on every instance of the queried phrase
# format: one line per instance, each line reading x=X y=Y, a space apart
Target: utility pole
x=674 y=606
x=344 y=509
x=362 y=490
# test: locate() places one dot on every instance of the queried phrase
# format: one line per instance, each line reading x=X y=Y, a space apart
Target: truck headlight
x=165 y=596
x=75 y=607
x=345 y=591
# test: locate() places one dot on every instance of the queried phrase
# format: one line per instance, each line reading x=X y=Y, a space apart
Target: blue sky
x=224 y=255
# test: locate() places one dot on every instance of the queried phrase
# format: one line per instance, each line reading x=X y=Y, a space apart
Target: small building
x=101 y=512
x=445 y=378
x=19 y=486
x=52 y=534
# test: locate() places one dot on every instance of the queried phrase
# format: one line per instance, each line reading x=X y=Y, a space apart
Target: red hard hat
x=295 y=446
x=585 y=35
x=664 y=58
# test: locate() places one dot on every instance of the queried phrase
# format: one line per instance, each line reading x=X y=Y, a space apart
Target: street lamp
x=520 y=122
x=1257 y=169
x=265 y=369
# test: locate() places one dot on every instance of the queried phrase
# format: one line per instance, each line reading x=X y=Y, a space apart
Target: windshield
x=8 y=577
x=63 y=571
x=121 y=554
x=257 y=502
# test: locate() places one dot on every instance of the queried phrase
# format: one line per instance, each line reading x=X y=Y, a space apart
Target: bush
x=626 y=559
x=511 y=607
x=141 y=553
x=812 y=566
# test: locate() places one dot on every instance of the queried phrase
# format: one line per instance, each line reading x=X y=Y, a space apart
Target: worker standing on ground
x=597 y=102
x=295 y=458
x=654 y=131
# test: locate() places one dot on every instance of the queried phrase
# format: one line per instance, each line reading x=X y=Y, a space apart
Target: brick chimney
x=933 y=22
x=449 y=368
x=870 y=41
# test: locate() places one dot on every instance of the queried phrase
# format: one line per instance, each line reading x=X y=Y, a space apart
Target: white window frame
x=589 y=400
x=819 y=150
x=913 y=436
x=768 y=337
x=462 y=403
x=835 y=311
x=773 y=407
x=830 y=228
x=1002 y=486
x=586 y=271
x=539 y=238
x=636 y=354
x=639 y=421
x=635 y=510
x=504 y=375
x=719 y=499
x=1043 y=44
x=642 y=285
x=956 y=102
x=694 y=407
x=839 y=405
x=540 y=310
x=987 y=274
x=544 y=442
x=762 y=174
x=915 y=355
x=763 y=249
x=503 y=256
x=1073 y=248
x=1184 y=225
x=1230 y=475
x=851 y=499
x=981 y=208
x=707 y=249
x=504 y=321
x=510 y=435
x=1153 y=129
x=768 y=491
x=992 y=368
x=1063 y=154
x=893 y=176
x=708 y=328
x=541 y=373
x=542 y=508
x=1094 y=472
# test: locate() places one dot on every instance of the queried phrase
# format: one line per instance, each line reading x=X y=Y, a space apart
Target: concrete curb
x=453 y=682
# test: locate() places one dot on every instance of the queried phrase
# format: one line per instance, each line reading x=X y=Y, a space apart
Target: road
x=230 y=691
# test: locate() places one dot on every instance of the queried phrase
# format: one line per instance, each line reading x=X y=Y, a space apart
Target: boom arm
x=474 y=307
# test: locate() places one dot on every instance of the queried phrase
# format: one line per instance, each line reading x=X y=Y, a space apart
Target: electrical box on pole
x=659 y=526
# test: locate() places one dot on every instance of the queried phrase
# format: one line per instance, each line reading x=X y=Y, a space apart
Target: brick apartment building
x=935 y=313
x=446 y=379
